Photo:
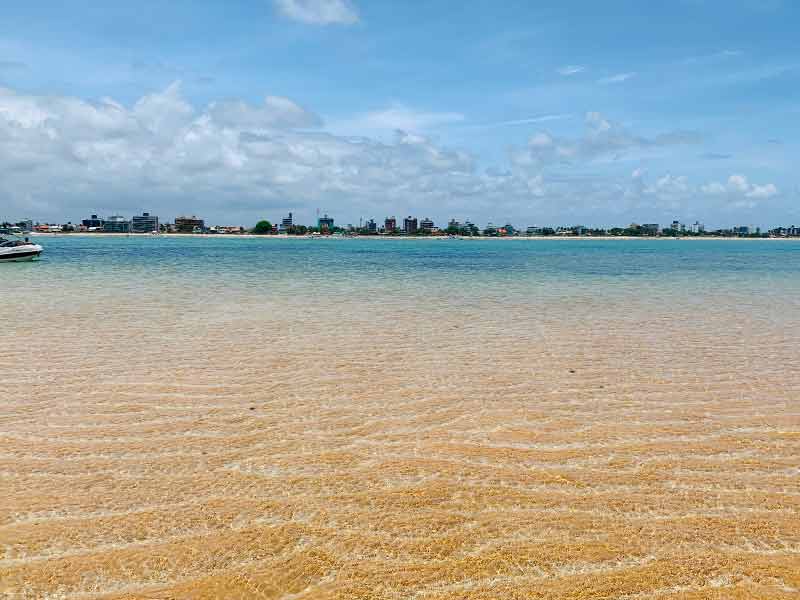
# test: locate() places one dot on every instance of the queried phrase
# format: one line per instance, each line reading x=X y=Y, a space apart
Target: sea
x=244 y=417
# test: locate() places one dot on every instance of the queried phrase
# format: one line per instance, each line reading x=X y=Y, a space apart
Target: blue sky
x=549 y=112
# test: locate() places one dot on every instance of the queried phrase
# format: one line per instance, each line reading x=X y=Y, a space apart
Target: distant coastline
x=557 y=238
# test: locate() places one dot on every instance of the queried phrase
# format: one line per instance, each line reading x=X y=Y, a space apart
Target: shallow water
x=265 y=418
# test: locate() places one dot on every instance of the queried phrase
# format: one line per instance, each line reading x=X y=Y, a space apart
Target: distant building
x=534 y=230
x=6 y=228
x=146 y=223
x=650 y=229
x=390 y=225
x=410 y=225
x=94 y=222
x=286 y=223
x=325 y=223
x=372 y=226
x=470 y=227
x=226 y=229
x=47 y=228
x=741 y=230
x=426 y=225
x=116 y=224
x=698 y=227
x=189 y=224
x=510 y=229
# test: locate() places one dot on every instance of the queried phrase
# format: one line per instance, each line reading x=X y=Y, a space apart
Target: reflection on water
x=249 y=418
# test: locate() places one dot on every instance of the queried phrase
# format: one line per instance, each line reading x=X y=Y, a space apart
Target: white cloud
x=602 y=140
x=738 y=186
x=713 y=189
x=275 y=112
x=619 y=78
x=63 y=157
x=319 y=12
x=396 y=117
x=763 y=191
x=67 y=156
x=569 y=70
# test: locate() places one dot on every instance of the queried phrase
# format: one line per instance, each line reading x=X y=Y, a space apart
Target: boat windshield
x=6 y=243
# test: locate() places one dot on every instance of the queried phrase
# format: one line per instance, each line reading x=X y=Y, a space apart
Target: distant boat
x=15 y=250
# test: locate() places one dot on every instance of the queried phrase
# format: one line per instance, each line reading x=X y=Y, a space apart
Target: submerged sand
x=304 y=449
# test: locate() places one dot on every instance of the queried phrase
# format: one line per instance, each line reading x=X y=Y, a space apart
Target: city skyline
x=575 y=112
x=390 y=225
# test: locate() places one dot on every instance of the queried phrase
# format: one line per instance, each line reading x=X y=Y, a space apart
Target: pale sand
x=241 y=452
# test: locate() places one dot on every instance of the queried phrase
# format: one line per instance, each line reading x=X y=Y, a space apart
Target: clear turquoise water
x=576 y=260
x=389 y=401
x=516 y=284
x=449 y=267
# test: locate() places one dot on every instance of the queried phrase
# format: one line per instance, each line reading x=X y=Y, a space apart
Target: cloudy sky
x=558 y=112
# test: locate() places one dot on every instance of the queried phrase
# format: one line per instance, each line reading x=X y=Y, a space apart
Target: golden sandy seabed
x=228 y=453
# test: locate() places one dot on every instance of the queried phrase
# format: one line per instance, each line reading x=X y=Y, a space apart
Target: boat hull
x=24 y=256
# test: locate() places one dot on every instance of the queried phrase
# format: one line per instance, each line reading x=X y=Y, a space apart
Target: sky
x=534 y=113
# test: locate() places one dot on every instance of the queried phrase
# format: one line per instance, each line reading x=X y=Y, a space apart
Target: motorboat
x=17 y=250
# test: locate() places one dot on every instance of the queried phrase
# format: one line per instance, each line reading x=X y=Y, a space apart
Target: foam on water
x=249 y=418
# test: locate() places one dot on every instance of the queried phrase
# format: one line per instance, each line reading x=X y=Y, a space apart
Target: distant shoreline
x=411 y=237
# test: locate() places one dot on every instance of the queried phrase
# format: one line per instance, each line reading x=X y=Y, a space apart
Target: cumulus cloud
x=602 y=139
x=739 y=186
x=275 y=111
x=64 y=157
x=679 y=191
x=319 y=12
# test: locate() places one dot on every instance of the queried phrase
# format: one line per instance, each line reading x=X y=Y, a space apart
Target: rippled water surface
x=267 y=418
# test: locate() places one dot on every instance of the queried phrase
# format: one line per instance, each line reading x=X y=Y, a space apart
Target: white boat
x=15 y=250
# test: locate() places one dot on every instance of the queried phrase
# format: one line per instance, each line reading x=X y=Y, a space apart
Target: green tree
x=262 y=228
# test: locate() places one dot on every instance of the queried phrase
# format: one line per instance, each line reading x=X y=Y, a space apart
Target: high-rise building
x=410 y=225
x=372 y=226
x=325 y=223
x=189 y=224
x=93 y=222
x=146 y=223
x=116 y=224
x=426 y=225
x=390 y=225
x=286 y=223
